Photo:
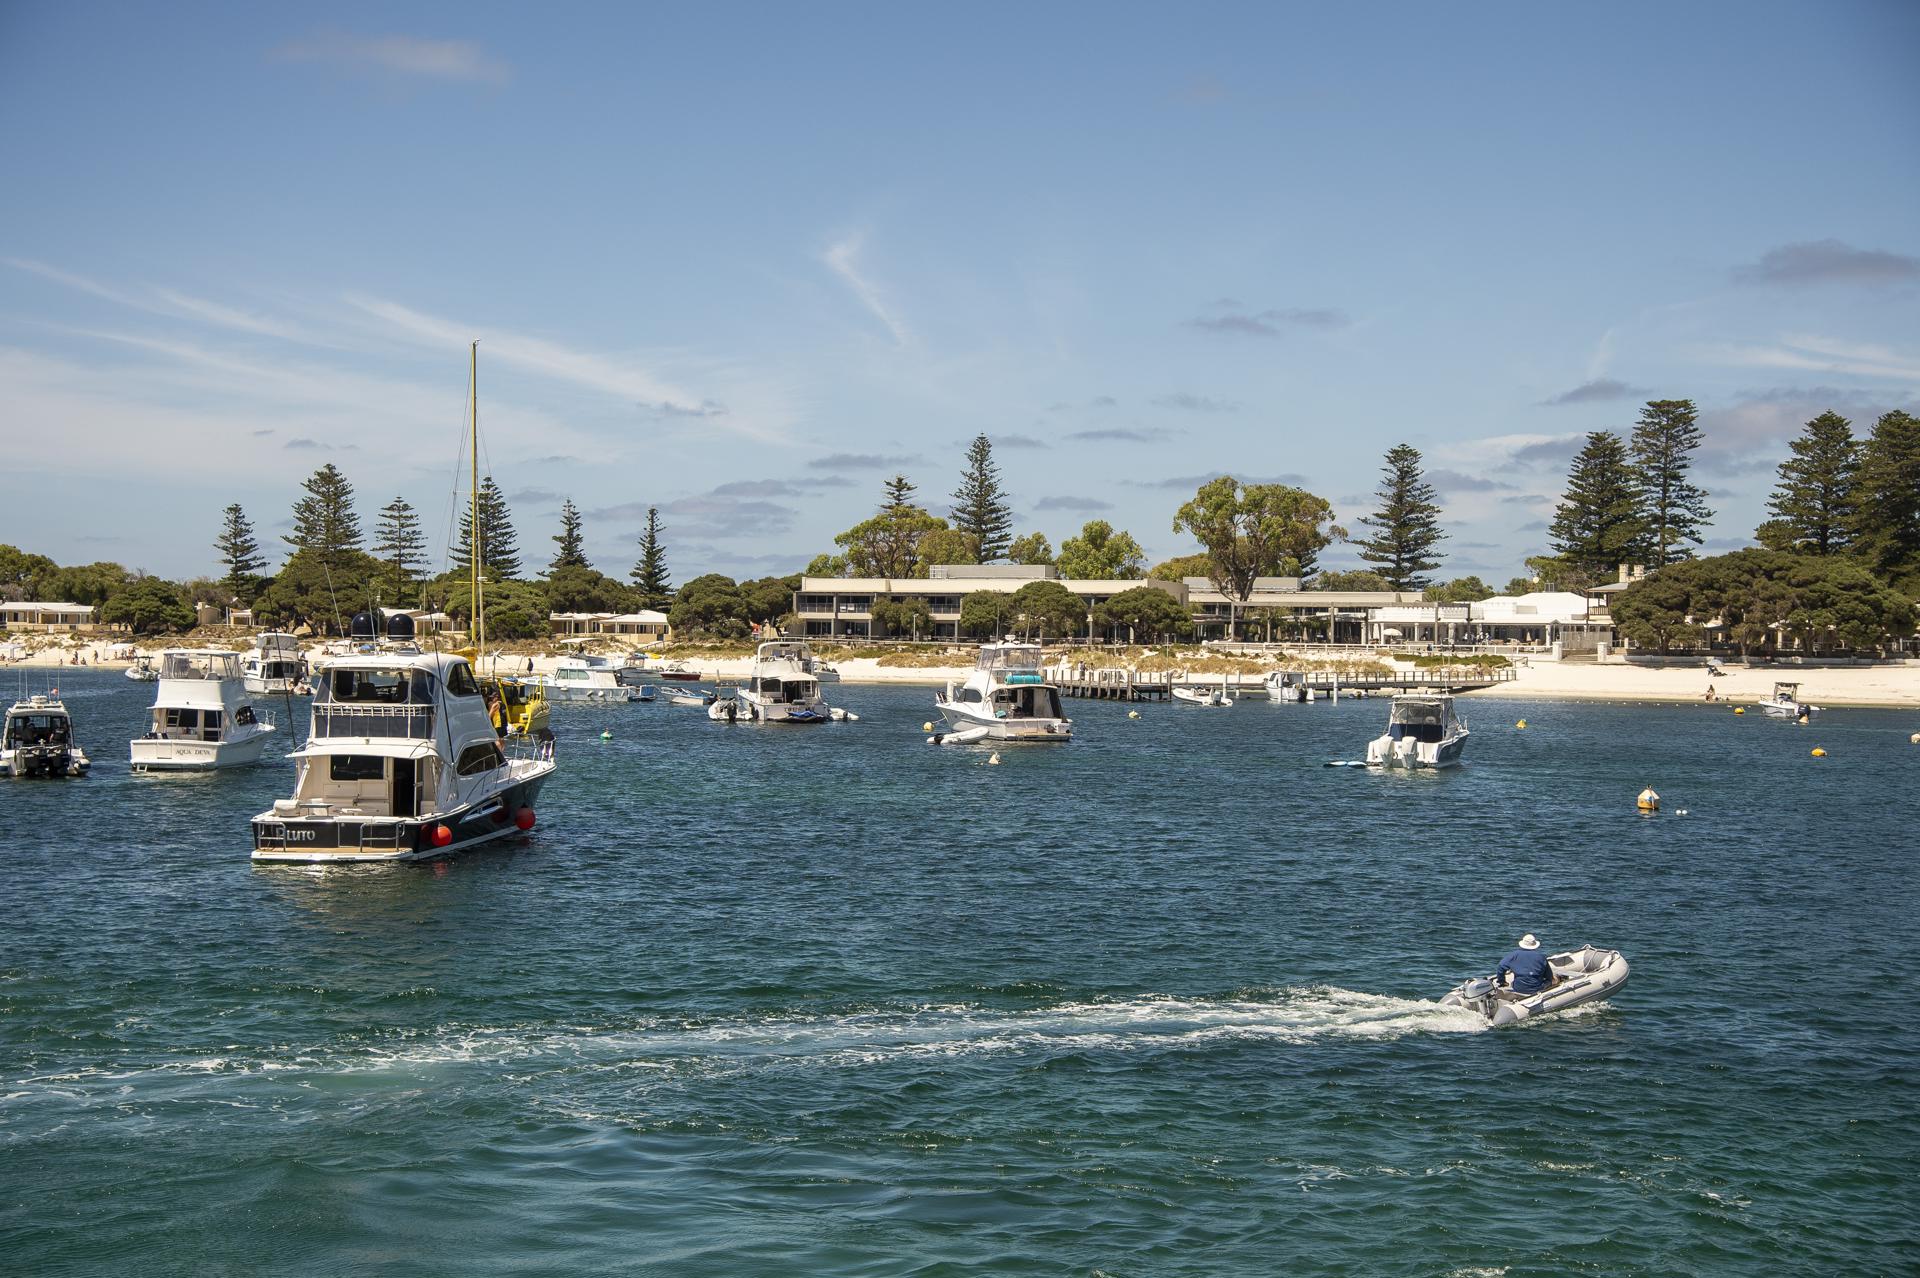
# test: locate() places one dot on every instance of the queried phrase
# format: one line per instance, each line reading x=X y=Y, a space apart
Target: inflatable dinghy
x=1587 y=975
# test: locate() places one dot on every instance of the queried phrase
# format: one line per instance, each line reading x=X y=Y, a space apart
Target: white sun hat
x=1529 y=942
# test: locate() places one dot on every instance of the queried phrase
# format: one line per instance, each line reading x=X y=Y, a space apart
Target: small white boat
x=645 y=692
x=276 y=666
x=143 y=670
x=780 y=688
x=201 y=718
x=1282 y=685
x=1006 y=698
x=1785 y=703
x=586 y=679
x=1215 y=698
x=37 y=741
x=725 y=710
x=678 y=698
x=1422 y=732
x=1586 y=975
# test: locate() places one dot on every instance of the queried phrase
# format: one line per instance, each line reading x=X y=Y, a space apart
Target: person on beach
x=1527 y=968
x=1709 y=692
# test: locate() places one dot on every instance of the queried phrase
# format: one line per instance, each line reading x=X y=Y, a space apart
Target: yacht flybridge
x=201 y=718
x=402 y=763
x=782 y=688
x=1006 y=698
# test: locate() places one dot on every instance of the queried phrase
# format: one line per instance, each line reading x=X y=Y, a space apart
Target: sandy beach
x=1618 y=680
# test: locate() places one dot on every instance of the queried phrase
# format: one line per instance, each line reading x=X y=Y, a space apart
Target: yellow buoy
x=1522 y=725
x=1135 y=714
x=1818 y=753
x=927 y=726
x=1739 y=709
x=1649 y=800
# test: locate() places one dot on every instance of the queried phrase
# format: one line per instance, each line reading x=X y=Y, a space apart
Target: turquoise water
x=833 y=1001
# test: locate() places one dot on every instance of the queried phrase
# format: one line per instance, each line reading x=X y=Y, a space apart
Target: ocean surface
x=832 y=1001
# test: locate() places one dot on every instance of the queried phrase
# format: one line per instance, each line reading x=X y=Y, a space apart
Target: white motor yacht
x=402 y=763
x=201 y=718
x=587 y=679
x=1785 y=703
x=37 y=741
x=276 y=665
x=780 y=688
x=1006 y=698
x=1422 y=732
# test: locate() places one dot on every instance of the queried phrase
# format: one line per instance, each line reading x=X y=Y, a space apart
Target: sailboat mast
x=475 y=542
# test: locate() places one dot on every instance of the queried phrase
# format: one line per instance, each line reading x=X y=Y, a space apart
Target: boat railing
x=335 y=719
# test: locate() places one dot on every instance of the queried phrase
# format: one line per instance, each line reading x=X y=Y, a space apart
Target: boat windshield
x=201 y=665
x=1420 y=712
x=1010 y=657
x=385 y=686
x=37 y=729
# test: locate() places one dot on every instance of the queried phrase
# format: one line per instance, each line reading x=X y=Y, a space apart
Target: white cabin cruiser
x=1214 y=698
x=143 y=670
x=1006 y=698
x=1785 y=703
x=1281 y=685
x=1422 y=732
x=1585 y=975
x=201 y=717
x=780 y=688
x=402 y=763
x=37 y=741
x=587 y=679
x=275 y=666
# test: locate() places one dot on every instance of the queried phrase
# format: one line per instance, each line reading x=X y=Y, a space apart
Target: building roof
x=646 y=616
x=29 y=606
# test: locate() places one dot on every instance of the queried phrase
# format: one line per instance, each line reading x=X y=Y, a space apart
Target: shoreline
x=1884 y=687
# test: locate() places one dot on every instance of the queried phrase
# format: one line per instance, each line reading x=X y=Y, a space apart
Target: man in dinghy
x=1525 y=971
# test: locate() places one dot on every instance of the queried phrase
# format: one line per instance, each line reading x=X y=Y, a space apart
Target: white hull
x=160 y=754
x=963 y=719
x=782 y=711
x=564 y=692
x=1196 y=697
x=274 y=687
x=1782 y=710
x=1587 y=975
x=1385 y=752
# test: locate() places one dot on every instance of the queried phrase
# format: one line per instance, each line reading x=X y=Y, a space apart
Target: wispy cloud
x=534 y=496
x=843 y=259
x=1072 y=503
x=1230 y=317
x=456 y=61
x=163 y=301
x=1194 y=481
x=705 y=408
x=725 y=513
x=1018 y=441
x=1828 y=262
x=1121 y=435
x=1454 y=481
x=1593 y=392
x=859 y=461
x=1196 y=403
x=1823 y=355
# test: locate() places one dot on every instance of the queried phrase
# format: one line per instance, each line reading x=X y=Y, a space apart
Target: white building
x=45 y=616
x=1540 y=619
x=643 y=627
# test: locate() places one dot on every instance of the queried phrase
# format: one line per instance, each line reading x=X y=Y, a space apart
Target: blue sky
x=744 y=261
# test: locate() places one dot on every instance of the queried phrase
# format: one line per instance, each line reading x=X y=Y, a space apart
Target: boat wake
x=852 y=1039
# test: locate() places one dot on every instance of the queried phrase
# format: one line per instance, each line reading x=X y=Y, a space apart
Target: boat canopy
x=1009 y=656
x=386 y=749
x=200 y=663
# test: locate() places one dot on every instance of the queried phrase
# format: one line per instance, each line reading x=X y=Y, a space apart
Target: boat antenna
x=476 y=544
x=331 y=596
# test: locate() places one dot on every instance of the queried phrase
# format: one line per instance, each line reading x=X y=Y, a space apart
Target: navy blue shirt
x=1530 y=971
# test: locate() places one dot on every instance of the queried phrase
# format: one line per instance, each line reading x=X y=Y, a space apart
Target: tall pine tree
x=1600 y=522
x=1813 y=503
x=401 y=546
x=499 y=551
x=650 y=570
x=1407 y=525
x=239 y=551
x=900 y=492
x=324 y=521
x=980 y=509
x=1676 y=509
x=1886 y=518
x=573 y=549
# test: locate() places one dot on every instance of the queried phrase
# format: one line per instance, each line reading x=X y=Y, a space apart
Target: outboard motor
x=362 y=627
x=400 y=627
